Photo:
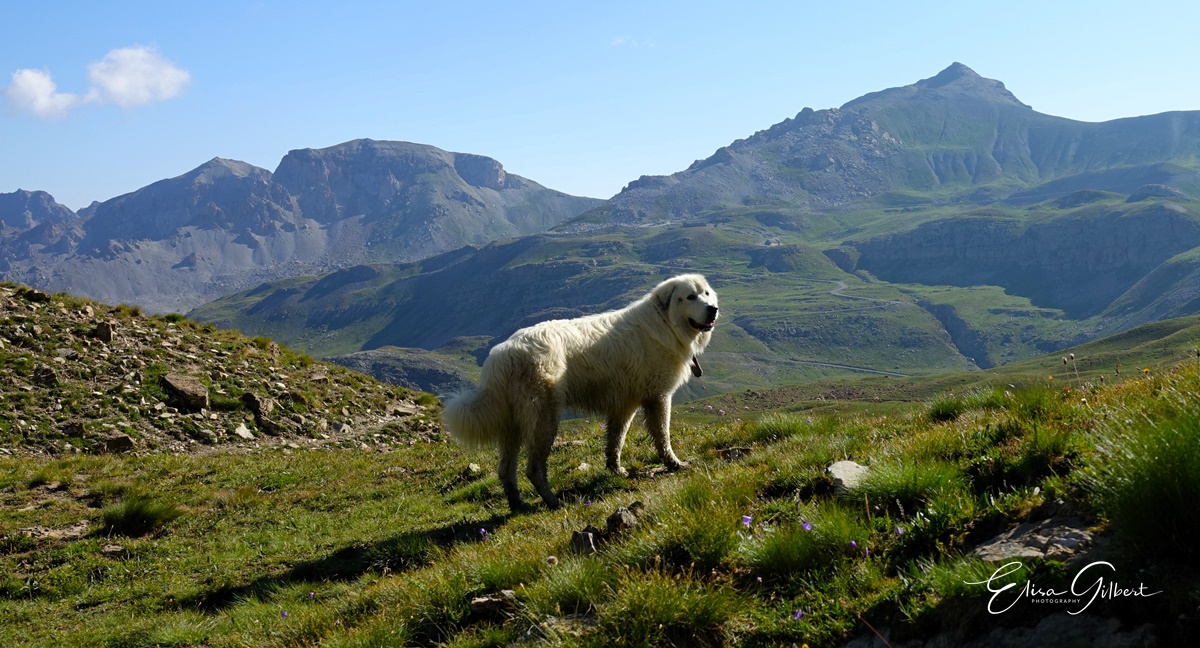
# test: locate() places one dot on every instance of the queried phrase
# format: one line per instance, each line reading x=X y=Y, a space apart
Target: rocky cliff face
x=227 y=225
x=1080 y=261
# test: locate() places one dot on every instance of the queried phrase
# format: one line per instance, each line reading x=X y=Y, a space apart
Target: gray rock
x=733 y=454
x=45 y=377
x=244 y=432
x=584 y=542
x=492 y=605
x=118 y=443
x=847 y=475
x=1057 y=538
x=621 y=520
x=186 y=392
x=257 y=405
x=104 y=332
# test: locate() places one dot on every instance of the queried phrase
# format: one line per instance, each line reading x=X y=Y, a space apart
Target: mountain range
x=228 y=225
x=938 y=226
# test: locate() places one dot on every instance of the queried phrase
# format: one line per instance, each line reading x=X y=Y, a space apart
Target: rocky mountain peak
x=222 y=168
x=952 y=73
x=23 y=209
x=957 y=82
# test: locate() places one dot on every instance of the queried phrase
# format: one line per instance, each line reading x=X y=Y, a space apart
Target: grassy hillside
x=1151 y=347
x=394 y=545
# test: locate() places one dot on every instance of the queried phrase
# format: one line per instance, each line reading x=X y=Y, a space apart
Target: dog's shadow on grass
x=397 y=554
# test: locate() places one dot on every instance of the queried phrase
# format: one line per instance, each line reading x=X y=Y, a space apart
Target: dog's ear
x=664 y=293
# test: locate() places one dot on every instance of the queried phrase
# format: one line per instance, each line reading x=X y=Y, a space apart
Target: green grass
x=1146 y=478
x=385 y=548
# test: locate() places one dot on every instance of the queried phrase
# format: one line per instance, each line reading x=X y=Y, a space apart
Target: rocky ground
x=80 y=376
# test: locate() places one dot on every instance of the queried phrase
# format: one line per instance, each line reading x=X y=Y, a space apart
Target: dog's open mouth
x=702 y=326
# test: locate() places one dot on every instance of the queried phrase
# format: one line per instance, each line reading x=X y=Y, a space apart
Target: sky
x=101 y=99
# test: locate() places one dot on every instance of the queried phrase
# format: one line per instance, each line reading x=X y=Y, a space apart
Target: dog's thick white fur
x=610 y=364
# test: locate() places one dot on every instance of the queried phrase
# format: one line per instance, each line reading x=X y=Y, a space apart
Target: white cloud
x=628 y=41
x=132 y=76
x=126 y=77
x=34 y=91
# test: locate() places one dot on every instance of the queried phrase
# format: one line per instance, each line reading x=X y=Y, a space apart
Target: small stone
x=847 y=475
x=583 y=542
x=104 y=332
x=45 y=377
x=243 y=432
x=733 y=454
x=118 y=443
x=112 y=551
x=404 y=409
x=493 y=604
x=621 y=520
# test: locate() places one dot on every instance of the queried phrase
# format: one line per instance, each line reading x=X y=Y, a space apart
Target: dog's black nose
x=712 y=312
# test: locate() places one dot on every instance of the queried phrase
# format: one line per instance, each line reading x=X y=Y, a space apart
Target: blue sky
x=581 y=97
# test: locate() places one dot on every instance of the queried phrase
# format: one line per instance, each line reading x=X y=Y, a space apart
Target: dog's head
x=690 y=305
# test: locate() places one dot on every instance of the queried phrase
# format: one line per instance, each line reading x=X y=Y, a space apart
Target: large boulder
x=185 y=392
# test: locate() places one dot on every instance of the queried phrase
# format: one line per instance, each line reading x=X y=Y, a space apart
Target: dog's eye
x=692 y=297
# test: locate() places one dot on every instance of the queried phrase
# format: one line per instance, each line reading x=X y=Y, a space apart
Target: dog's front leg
x=618 y=427
x=658 y=422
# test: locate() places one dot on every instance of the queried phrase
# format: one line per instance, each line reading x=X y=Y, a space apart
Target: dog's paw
x=678 y=465
x=619 y=471
x=520 y=507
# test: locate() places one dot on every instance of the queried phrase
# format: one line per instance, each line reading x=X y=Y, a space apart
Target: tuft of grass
x=902 y=487
x=654 y=608
x=947 y=407
x=777 y=426
x=138 y=514
x=698 y=529
x=574 y=586
x=817 y=541
x=1147 y=482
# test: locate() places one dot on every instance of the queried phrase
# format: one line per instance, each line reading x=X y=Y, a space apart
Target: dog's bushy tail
x=476 y=418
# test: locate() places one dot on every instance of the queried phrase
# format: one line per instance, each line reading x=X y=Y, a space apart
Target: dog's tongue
x=696 y=370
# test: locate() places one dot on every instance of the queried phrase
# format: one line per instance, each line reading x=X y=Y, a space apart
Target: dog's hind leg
x=510 y=447
x=618 y=427
x=658 y=422
x=540 y=421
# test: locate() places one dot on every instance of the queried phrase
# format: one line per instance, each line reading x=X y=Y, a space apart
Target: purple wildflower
x=899 y=531
x=746 y=520
x=806 y=525
x=853 y=545
x=798 y=615
x=283 y=614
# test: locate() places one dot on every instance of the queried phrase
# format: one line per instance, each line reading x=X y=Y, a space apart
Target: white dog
x=609 y=364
